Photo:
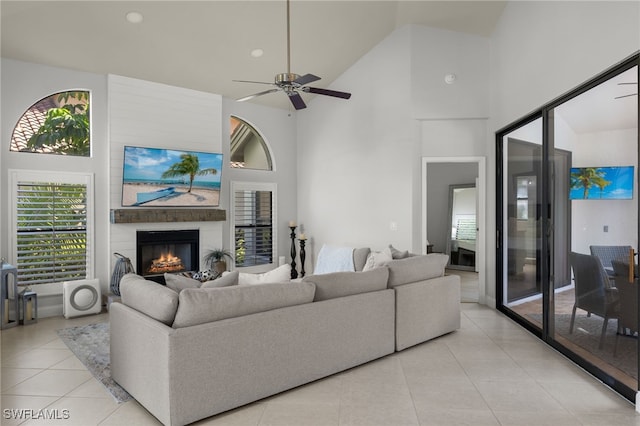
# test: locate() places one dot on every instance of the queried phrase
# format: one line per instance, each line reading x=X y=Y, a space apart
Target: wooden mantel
x=136 y=215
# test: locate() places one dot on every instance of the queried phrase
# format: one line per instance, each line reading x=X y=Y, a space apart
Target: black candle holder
x=294 y=273
x=303 y=255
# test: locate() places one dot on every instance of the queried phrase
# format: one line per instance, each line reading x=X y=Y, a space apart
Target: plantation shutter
x=253 y=218
x=51 y=225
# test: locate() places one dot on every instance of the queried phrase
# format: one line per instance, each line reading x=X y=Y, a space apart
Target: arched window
x=248 y=149
x=57 y=124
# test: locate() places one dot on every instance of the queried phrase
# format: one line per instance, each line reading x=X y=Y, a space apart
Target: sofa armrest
x=140 y=358
x=426 y=309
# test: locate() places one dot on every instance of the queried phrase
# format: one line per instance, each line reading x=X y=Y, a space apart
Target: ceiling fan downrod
x=288 y=43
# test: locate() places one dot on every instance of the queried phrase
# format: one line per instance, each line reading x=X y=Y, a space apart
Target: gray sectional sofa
x=193 y=354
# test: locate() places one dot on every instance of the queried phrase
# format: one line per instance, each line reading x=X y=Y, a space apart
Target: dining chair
x=608 y=253
x=628 y=295
x=593 y=292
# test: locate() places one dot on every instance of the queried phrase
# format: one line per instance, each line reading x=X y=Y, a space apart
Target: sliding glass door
x=567 y=192
x=521 y=151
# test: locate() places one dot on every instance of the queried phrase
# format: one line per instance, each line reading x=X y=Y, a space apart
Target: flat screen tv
x=601 y=183
x=158 y=177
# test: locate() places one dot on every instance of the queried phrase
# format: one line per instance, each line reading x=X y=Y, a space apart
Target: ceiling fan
x=292 y=84
x=626 y=96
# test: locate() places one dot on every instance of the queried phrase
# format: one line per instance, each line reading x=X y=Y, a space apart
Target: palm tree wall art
x=170 y=178
x=604 y=183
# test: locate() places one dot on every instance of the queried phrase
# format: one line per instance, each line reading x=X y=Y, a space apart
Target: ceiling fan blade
x=255 y=95
x=626 y=96
x=250 y=81
x=327 y=92
x=296 y=100
x=306 y=79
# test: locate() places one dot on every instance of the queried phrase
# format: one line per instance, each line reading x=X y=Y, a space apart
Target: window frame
x=255 y=186
x=32 y=107
x=266 y=147
x=16 y=176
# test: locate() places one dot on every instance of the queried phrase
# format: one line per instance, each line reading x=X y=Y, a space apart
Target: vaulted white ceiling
x=204 y=45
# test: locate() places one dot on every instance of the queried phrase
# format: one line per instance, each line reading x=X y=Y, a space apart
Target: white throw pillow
x=281 y=274
x=378 y=259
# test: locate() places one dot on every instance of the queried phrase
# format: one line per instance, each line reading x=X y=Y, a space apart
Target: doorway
x=438 y=174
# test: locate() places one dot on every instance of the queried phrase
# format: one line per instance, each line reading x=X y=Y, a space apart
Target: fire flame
x=166 y=263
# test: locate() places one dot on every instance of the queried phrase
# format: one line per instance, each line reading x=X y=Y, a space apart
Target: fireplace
x=160 y=252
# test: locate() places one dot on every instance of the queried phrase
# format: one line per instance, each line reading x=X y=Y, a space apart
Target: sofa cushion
x=360 y=256
x=279 y=275
x=416 y=268
x=340 y=284
x=179 y=282
x=224 y=281
x=150 y=298
x=202 y=305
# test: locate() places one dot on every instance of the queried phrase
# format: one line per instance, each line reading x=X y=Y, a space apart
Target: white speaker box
x=81 y=297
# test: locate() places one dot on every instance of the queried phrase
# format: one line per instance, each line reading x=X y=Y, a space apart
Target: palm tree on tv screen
x=586 y=178
x=189 y=165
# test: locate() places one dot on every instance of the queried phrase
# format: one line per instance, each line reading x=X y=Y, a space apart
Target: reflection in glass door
x=522 y=162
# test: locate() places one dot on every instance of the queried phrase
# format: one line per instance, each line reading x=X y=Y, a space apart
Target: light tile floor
x=490 y=372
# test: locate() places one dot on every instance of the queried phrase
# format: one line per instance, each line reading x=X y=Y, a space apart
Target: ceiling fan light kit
x=292 y=84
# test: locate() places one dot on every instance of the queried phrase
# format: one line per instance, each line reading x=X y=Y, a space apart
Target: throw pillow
x=226 y=280
x=397 y=254
x=179 y=282
x=340 y=284
x=205 y=275
x=377 y=259
x=279 y=275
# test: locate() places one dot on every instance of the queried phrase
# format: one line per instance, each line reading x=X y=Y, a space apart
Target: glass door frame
x=546 y=112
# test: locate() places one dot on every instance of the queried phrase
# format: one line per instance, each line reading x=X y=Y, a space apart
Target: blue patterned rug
x=90 y=344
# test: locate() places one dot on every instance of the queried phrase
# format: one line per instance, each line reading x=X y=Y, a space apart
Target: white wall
x=360 y=161
x=357 y=158
x=436 y=53
x=611 y=148
x=24 y=84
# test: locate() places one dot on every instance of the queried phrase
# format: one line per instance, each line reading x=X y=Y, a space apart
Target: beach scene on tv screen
x=170 y=178
x=601 y=183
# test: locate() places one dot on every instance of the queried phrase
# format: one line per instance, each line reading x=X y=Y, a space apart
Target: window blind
x=253 y=218
x=51 y=232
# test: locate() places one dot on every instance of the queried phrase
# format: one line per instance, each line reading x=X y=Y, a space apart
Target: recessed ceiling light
x=256 y=53
x=134 y=17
